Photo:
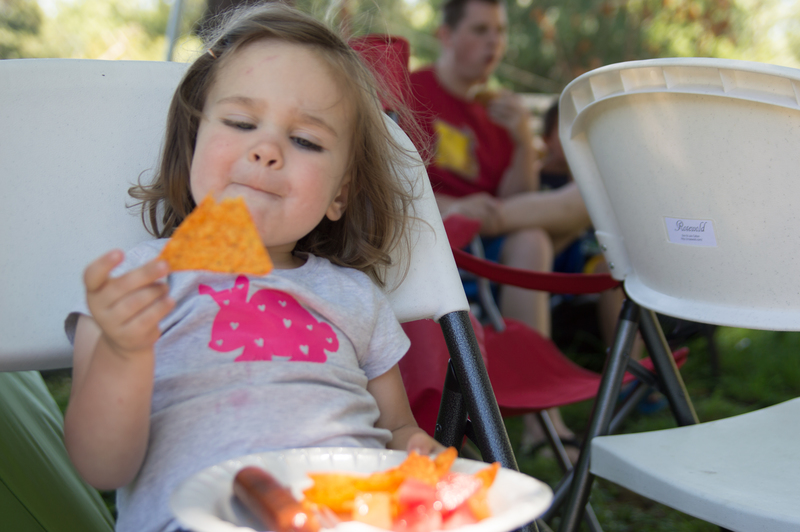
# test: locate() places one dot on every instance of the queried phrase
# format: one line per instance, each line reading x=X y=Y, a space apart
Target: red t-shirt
x=470 y=152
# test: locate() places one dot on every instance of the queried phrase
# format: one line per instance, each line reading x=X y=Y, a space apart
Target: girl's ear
x=339 y=203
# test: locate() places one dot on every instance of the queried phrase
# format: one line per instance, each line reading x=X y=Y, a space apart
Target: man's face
x=479 y=40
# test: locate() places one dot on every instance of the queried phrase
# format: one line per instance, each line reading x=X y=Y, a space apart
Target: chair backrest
x=74 y=136
x=690 y=169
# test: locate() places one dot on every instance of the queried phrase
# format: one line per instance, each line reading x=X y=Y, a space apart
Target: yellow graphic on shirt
x=455 y=150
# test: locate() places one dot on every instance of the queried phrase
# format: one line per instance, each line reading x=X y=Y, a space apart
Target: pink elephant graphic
x=271 y=323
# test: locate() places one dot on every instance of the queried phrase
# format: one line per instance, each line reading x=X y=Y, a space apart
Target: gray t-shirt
x=255 y=363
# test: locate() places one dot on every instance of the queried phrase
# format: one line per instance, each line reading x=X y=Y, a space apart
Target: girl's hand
x=128 y=308
x=423 y=444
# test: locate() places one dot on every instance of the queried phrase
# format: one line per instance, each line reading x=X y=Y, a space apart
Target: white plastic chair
x=689 y=169
x=74 y=136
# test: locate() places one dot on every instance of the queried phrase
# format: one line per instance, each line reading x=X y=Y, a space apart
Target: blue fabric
x=492 y=247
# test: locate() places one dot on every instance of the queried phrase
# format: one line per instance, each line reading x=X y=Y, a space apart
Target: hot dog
x=273 y=504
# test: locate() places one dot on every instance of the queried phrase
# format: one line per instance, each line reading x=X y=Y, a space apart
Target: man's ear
x=339 y=203
x=443 y=34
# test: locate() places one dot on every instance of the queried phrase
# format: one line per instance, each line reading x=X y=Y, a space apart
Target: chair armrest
x=461 y=230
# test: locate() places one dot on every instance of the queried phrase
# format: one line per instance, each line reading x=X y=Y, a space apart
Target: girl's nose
x=266 y=153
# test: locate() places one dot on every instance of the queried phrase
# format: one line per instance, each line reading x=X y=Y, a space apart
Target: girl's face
x=277 y=130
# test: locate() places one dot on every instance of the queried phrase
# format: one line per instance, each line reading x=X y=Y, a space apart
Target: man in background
x=484 y=164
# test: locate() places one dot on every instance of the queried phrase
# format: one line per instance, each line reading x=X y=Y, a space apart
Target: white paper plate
x=205 y=501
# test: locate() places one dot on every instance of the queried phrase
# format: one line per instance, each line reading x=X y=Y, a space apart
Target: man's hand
x=508 y=110
x=480 y=206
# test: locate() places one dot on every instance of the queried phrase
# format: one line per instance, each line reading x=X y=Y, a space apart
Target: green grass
x=757 y=369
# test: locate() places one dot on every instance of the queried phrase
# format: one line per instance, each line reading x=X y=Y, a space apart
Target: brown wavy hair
x=378 y=205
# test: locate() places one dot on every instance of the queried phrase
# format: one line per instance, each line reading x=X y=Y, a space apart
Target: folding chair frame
x=468 y=405
x=633 y=319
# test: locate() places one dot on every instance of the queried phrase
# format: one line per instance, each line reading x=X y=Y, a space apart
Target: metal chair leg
x=669 y=378
x=589 y=516
x=451 y=422
x=470 y=371
x=469 y=374
x=603 y=411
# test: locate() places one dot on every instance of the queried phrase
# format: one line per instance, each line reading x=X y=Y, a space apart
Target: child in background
x=281 y=112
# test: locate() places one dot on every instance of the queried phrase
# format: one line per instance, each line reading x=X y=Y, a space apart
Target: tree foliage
x=550 y=41
x=19 y=21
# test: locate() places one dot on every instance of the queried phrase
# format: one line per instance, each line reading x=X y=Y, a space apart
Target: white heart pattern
x=304 y=349
x=259 y=342
x=282 y=303
x=234 y=325
x=262 y=307
x=287 y=323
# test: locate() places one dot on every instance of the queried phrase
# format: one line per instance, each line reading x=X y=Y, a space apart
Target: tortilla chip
x=337 y=491
x=479 y=502
x=218 y=237
x=420 y=467
x=444 y=460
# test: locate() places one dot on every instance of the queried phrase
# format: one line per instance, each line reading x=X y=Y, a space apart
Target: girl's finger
x=133 y=303
x=149 y=317
x=136 y=279
x=96 y=274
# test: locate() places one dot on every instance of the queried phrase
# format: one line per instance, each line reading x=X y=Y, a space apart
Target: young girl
x=173 y=377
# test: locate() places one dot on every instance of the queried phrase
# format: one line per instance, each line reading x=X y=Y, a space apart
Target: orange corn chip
x=218 y=237
x=488 y=474
x=420 y=467
x=479 y=502
x=444 y=461
x=338 y=490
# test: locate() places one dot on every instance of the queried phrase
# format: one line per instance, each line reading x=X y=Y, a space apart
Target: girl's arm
x=106 y=425
x=390 y=394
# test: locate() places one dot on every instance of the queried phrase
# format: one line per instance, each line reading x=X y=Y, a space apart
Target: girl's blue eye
x=306 y=144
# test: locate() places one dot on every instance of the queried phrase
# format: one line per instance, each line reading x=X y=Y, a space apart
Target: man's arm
x=508 y=110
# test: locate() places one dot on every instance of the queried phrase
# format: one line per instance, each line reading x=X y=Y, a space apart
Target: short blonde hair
x=378 y=204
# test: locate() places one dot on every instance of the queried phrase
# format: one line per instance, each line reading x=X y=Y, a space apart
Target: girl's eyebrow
x=304 y=117
x=241 y=100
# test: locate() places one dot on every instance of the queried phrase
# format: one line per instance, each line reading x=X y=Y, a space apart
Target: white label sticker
x=691 y=232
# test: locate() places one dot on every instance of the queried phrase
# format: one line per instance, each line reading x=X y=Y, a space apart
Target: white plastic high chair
x=689 y=169
x=75 y=135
